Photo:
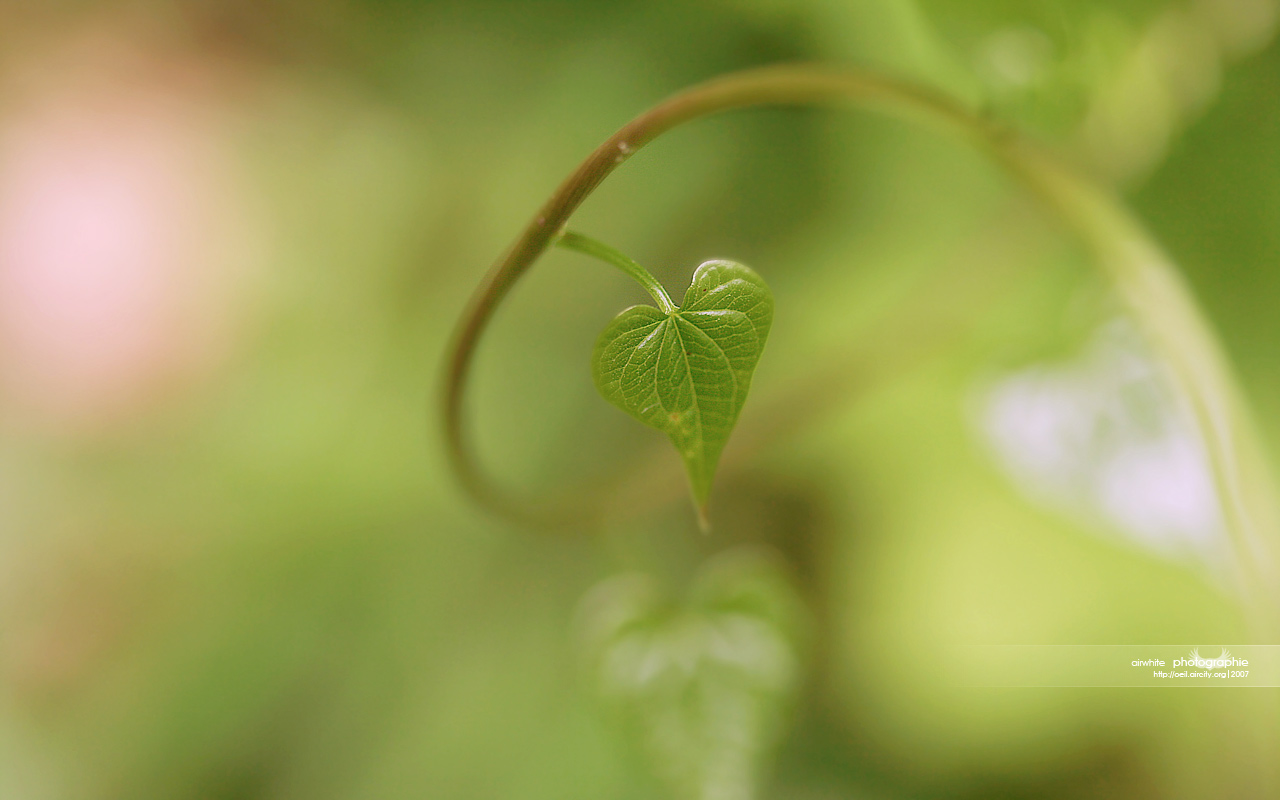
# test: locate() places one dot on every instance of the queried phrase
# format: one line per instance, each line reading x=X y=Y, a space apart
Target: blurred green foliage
x=266 y=584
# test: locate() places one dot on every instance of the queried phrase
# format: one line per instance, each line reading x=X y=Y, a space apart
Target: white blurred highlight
x=1105 y=438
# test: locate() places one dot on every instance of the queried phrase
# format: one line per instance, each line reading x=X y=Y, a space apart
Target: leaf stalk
x=580 y=243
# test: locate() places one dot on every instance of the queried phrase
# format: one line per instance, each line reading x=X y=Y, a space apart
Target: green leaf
x=701 y=686
x=687 y=372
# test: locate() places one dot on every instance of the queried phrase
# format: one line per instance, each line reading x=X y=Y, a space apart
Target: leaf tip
x=704 y=521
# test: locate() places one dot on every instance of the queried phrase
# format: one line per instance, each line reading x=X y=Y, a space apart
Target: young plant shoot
x=686 y=369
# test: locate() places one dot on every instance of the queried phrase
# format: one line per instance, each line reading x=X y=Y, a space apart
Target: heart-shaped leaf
x=687 y=372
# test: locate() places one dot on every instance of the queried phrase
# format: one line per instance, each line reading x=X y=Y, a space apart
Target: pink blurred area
x=123 y=232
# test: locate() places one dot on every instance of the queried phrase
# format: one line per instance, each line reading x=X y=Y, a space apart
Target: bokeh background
x=234 y=236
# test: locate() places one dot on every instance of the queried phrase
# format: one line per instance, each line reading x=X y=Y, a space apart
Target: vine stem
x=1142 y=275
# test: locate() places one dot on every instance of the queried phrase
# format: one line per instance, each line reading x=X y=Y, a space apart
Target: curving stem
x=795 y=85
x=1136 y=267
